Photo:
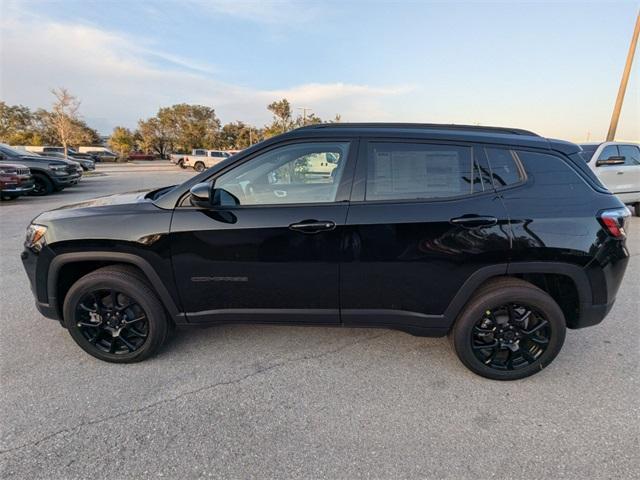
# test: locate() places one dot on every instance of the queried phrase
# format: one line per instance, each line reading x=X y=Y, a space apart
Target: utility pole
x=623 y=83
x=304 y=114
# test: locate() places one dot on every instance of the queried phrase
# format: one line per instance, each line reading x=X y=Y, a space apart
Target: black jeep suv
x=498 y=237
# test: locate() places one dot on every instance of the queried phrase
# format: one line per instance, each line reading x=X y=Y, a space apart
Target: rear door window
x=415 y=171
x=631 y=154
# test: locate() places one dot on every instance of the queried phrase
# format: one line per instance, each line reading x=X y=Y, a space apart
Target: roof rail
x=428 y=126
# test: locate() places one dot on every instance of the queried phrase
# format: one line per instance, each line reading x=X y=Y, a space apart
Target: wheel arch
x=566 y=283
x=81 y=263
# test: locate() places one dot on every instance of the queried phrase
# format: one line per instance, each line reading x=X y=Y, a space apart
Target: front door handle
x=620 y=173
x=313 y=226
x=474 y=221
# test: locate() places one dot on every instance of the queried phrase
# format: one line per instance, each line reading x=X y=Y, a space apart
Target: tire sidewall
x=532 y=297
x=152 y=308
x=47 y=185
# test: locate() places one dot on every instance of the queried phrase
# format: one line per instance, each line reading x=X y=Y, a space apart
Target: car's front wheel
x=42 y=185
x=115 y=315
x=509 y=330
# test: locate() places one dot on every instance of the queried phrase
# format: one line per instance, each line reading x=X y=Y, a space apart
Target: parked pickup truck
x=617 y=165
x=200 y=159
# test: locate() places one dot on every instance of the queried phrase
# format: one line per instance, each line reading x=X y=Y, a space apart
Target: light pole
x=304 y=114
x=623 y=83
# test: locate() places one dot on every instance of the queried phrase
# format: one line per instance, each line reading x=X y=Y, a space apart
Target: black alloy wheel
x=510 y=336
x=41 y=186
x=112 y=322
x=509 y=330
x=115 y=315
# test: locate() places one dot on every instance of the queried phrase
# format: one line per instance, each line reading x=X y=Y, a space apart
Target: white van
x=617 y=165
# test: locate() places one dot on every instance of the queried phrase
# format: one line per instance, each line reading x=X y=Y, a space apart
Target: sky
x=548 y=66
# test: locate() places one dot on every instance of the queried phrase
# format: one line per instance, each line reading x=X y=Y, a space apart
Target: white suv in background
x=617 y=165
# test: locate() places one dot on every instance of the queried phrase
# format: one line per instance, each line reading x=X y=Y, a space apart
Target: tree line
x=179 y=128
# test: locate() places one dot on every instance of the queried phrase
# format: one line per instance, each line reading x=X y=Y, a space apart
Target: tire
x=636 y=209
x=102 y=334
x=181 y=164
x=537 y=342
x=199 y=167
x=42 y=185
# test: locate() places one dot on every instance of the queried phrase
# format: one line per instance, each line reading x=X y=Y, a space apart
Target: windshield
x=13 y=152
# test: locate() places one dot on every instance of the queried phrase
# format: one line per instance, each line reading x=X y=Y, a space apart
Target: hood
x=109 y=200
x=46 y=160
x=118 y=204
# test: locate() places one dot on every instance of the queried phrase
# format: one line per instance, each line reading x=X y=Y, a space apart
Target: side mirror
x=222 y=198
x=610 y=161
x=201 y=195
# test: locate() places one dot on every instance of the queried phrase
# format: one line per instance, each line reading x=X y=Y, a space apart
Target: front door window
x=292 y=174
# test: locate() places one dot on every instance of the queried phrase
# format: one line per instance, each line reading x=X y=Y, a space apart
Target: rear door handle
x=620 y=173
x=313 y=226
x=474 y=221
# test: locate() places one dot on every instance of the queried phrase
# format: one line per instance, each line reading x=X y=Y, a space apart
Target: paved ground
x=260 y=402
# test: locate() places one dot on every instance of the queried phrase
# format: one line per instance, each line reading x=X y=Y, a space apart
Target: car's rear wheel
x=181 y=163
x=199 y=167
x=114 y=315
x=42 y=185
x=636 y=209
x=509 y=330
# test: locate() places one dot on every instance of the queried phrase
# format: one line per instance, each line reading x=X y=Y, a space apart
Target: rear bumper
x=591 y=314
x=605 y=274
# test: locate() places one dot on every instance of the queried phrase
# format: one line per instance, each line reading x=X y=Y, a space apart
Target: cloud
x=121 y=79
x=262 y=11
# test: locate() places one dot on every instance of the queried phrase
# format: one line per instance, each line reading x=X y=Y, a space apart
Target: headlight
x=58 y=169
x=35 y=237
x=6 y=170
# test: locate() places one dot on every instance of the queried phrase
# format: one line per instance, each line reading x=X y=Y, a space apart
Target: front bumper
x=20 y=189
x=37 y=280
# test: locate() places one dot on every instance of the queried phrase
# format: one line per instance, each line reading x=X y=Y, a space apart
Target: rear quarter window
x=550 y=173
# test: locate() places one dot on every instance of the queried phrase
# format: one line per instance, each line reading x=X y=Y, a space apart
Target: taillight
x=614 y=221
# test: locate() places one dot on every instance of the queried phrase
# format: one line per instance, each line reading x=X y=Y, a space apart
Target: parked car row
x=26 y=172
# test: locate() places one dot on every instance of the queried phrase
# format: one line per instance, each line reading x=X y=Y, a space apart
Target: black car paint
x=395 y=264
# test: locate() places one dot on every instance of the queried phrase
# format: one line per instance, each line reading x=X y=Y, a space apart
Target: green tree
x=16 y=124
x=122 y=141
x=190 y=126
x=155 y=136
x=238 y=135
x=282 y=117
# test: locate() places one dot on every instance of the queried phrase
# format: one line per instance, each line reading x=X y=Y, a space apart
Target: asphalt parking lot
x=285 y=402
